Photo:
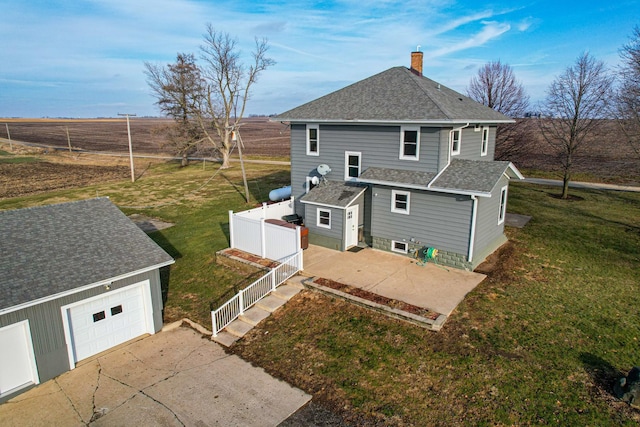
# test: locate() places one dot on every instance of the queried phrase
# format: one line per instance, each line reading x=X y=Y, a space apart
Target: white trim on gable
x=502 y=213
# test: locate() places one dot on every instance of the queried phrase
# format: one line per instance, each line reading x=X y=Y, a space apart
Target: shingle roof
x=473 y=176
x=333 y=193
x=52 y=249
x=394 y=95
x=461 y=176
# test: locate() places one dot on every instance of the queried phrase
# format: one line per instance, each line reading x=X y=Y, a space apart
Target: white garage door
x=108 y=320
x=17 y=361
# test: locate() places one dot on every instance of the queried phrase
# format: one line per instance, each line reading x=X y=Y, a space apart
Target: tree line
x=574 y=110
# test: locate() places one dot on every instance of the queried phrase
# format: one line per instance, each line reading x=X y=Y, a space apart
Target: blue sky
x=86 y=58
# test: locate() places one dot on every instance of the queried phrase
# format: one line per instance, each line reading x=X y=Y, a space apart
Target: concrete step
x=270 y=303
x=296 y=281
x=225 y=338
x=239 y=328
x=286 y=291
x=254 y=315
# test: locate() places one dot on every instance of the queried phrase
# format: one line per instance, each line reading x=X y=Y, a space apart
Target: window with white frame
x=313 y=140
x=454 y=141
x=352 y=165
x=400 y=247
x=324 y=218
x=400 y=201
x=485 y=141
x=503 y=205
x=410 y=143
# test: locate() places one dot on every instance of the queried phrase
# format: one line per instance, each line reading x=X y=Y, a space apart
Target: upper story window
x=313 y=140
x=503 y=205
x=485 y=141
x=410 y=143
x=400 y=201
x=352 y=165
x=455 y=137
x=324 y=218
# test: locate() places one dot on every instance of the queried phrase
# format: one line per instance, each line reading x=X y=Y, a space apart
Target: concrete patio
x=394 y=276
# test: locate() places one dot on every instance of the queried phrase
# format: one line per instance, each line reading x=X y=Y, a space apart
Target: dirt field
x=260 y=136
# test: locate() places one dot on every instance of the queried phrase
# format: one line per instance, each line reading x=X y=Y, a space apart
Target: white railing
x=247 y=297
x=249 y=231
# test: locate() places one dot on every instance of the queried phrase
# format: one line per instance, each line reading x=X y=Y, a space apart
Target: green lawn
x=539 y=342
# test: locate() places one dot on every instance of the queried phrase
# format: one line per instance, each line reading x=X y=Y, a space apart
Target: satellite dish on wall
x=323 y=169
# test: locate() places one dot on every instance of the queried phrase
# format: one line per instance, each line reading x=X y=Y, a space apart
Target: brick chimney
x=416 y=62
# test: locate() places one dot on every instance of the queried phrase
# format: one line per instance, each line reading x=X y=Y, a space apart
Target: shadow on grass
x=234 y=289
x=603 y=374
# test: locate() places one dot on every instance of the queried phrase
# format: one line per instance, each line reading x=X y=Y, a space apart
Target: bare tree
x=228 y=84
x=627 y=108
x=178 y=88
x=496 y=86
x=576 y=102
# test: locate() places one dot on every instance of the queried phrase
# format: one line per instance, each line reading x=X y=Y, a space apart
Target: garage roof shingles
x=53 y=249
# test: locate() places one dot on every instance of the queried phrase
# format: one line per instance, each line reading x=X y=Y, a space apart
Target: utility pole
x=133 y=174
x=9 y=137
x=235 y=136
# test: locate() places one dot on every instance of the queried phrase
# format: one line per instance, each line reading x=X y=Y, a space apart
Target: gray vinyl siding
x=47 y=330
x=379 y=145
x=471 y=144
x=337 y=221
x=436 y=220
x=487 y=227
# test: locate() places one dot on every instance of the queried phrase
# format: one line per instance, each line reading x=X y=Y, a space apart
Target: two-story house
x=400 y=162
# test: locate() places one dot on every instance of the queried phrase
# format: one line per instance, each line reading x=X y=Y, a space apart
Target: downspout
x=472 y=237
x=448 y=154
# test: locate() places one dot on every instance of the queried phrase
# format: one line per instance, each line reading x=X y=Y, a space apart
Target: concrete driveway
x=172 y=378
x=394 y=276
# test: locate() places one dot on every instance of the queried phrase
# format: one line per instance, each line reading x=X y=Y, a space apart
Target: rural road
x=587 y=185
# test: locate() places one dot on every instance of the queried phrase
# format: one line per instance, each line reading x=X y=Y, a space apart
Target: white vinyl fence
x=247 y=297
x=249 y=232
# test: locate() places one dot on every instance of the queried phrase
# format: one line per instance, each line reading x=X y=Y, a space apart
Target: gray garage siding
x=47 y=331
x=437 y=220
x=472 y=143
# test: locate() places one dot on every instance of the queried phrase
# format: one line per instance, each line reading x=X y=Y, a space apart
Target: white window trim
x=451 y=133
x=317 y=152
x=318 y=223
x=400 y=251
x=394 y=193
x=502 y=212
x=402 y=131
x=484 y=144
x=346 y=164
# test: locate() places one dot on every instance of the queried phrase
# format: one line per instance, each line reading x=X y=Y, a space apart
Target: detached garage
x=75 y=279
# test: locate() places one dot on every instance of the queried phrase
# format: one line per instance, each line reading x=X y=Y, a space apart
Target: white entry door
x=100 y=323
x=351 y=227
x=17 y=361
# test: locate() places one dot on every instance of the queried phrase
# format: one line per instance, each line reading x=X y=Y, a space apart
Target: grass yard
x=539 y=342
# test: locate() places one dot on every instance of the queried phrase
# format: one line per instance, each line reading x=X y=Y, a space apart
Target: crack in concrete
x=69 y=399
x=96 y=414
x=142 y=391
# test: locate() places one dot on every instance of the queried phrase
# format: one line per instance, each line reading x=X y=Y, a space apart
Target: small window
x=400 y=247
x=485 y=141
x=352 y=165
x=454 y=139
x=503 y=205
x=313 y=148
x=400 y=201
x=116 y=310
x=410 y=143
x=98 y=316
x=324 y=218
